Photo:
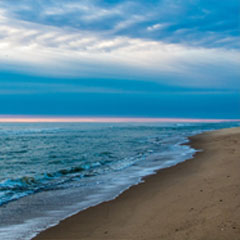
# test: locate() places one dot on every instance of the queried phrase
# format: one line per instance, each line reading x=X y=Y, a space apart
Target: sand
x=197 y=199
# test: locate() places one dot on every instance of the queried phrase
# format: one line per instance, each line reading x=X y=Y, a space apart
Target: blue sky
x=166 y=58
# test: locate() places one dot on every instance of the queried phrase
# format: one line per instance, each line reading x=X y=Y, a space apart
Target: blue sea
x=50 y=171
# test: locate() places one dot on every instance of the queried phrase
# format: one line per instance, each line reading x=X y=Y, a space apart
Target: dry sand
x=197 y=199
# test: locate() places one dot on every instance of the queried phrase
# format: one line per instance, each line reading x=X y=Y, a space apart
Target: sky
x=112 y=58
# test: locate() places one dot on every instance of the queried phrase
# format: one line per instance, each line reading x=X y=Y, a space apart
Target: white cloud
x=89 y=10
x=158 y=26
x=65 y=51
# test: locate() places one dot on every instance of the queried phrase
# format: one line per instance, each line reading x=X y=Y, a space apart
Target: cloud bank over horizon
x=119 y=47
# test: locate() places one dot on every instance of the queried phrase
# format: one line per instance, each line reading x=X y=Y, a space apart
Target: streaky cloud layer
x=200 y=23
x=71 y=38
x=156 y=50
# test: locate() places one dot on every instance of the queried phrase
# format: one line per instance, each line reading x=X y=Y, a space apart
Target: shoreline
x=185 y=201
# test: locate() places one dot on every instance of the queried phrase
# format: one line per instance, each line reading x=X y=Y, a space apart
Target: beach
x=196 y=199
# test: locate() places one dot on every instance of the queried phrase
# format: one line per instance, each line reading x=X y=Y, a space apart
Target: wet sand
x=195 y=200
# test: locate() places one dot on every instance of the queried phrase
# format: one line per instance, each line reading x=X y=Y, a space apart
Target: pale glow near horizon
x=32 y=119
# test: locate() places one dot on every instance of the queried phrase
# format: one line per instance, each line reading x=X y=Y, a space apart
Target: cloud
x=186 y=22
x=157 y=26
x=123 y=39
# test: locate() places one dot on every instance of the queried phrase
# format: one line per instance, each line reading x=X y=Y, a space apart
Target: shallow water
x=51 y=171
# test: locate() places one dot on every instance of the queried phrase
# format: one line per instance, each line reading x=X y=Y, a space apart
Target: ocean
x=50 y=171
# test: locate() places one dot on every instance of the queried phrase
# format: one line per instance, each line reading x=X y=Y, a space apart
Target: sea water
x=49 y=171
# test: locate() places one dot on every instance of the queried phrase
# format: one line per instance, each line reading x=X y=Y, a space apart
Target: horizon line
x=50 y=119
